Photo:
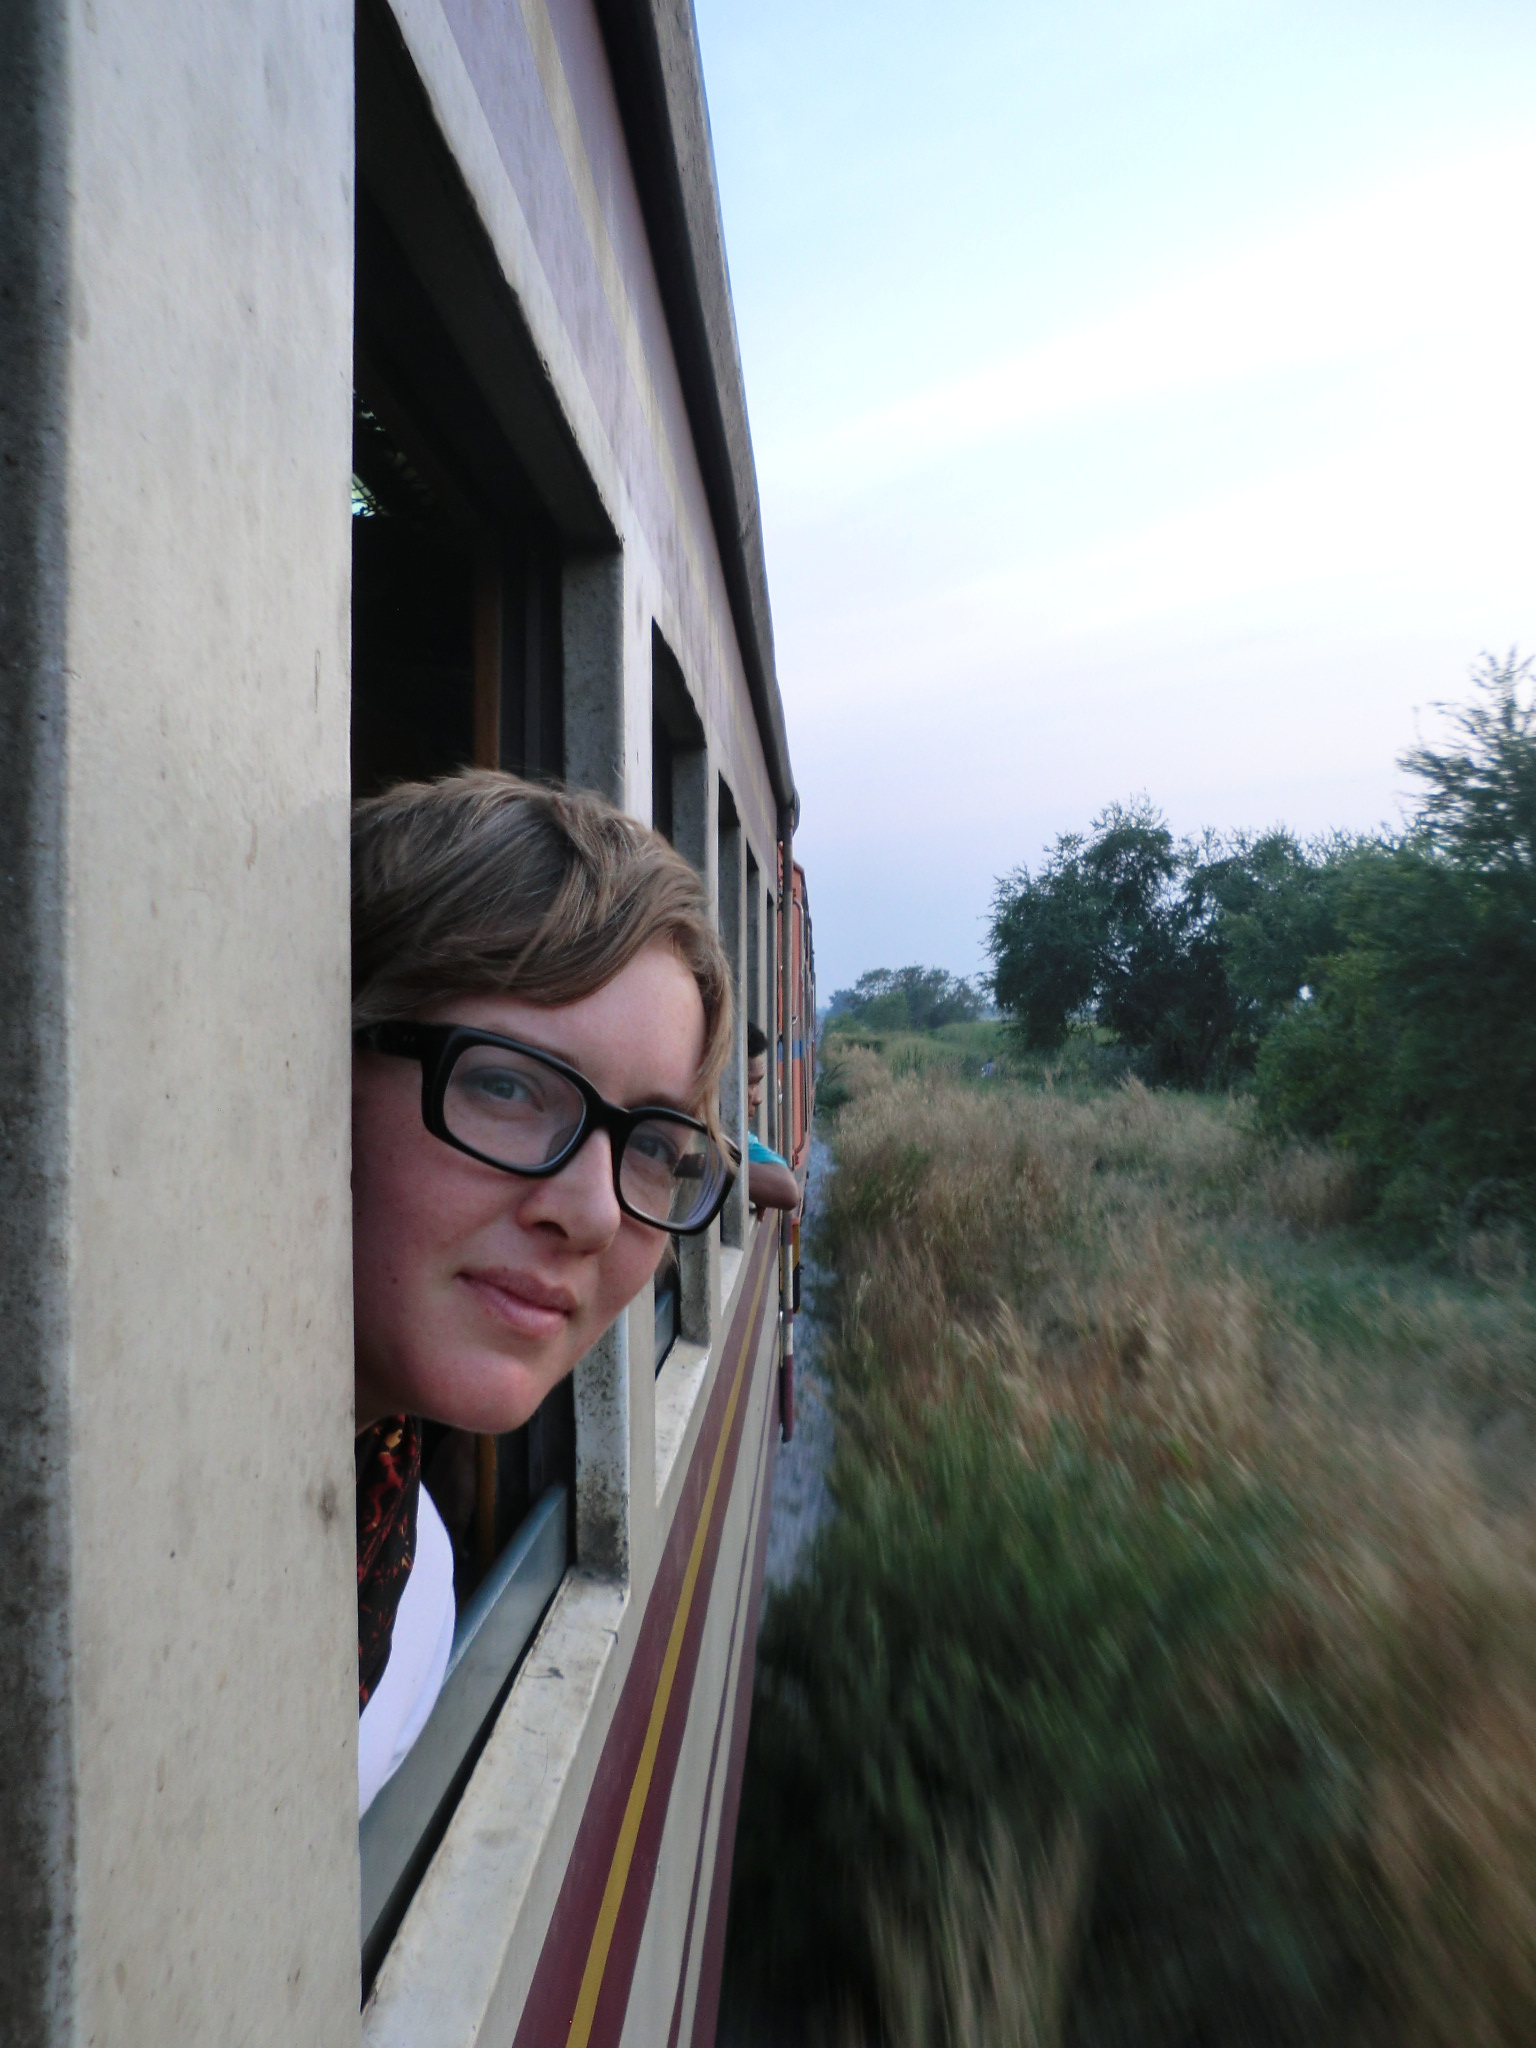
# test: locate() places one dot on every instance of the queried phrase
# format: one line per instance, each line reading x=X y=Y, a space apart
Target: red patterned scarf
x=388 y=1494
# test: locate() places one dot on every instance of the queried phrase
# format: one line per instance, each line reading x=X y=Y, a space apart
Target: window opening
x=808 y=1024
x=753 y=1004
x=775 y=1031
x=457 y=567
x=413 y=614
x=728 y=873
x=456 y=629
x=668 y=1291
x=679 y=760
x=754 y=940
x=450 y=619
x=661 y=780
x=679 y=806
x=519 y=702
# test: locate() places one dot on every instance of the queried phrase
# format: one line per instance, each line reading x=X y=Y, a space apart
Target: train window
x=661 y=778
x=774 y=1024
x=456 y=612
x=680 y=811
x=809 y=1025
x=413 y=608
x=524 y=671
x=754 y=990
x=668 y=1293
x=455 y=662
x=456 y=628
x=729 y=881
x=679 y=761
x=753 y=1004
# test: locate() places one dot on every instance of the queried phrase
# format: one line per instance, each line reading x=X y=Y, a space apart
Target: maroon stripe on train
x=762 y=1499
x=551 y=2003
x=706 y=2011
x=613 y=1999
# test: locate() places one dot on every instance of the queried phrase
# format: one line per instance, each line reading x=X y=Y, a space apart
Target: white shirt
x=405 y=1695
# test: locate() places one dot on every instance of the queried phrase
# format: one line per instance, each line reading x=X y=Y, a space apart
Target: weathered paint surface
x=201 y=1317
x=524 y=97
x=178 y=1720
x=37 y=1804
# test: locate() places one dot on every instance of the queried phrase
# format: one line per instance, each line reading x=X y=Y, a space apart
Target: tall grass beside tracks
x=1167 y=1673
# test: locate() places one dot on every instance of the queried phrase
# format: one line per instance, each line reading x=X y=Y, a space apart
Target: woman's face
x=475 y=1291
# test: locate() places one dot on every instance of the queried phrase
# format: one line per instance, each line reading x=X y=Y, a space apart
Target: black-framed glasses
x=513 y=1107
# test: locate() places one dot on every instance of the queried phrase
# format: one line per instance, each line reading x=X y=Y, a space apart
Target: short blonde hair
x=483 y=884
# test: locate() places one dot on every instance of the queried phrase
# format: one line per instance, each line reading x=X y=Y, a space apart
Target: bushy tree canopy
x=1479 y=803
x=1185 y=952
x=907 y=999
x=1383 y=991
x=1418 y=1049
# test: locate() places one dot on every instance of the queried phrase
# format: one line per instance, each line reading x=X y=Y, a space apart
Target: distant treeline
x=1380 y=992
x=907 y=999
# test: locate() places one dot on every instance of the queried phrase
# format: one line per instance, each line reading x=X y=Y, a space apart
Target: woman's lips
x=527 y=1305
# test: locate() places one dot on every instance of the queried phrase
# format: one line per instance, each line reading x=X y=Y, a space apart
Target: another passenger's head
x=550 y=918
x=757 y=1069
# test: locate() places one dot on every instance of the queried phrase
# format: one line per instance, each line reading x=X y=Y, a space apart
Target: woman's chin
x=488 y=1395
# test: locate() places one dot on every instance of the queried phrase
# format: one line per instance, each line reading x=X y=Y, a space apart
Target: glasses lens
x=671 y=1174
x=510 y=1107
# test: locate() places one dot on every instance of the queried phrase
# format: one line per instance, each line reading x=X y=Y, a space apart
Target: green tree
x=1162 y=988
x=1417 y=1048
x=1047 y=939
x=907 y=999
x=1185 y=952
x=1270 y=901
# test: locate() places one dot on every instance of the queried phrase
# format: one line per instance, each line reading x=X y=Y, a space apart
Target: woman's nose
x=579 y=1200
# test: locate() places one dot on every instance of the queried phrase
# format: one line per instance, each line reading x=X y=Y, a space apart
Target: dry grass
x=1308 y=1187
x=991 y=1969
x=1085 y=1211
x=1093 y=1264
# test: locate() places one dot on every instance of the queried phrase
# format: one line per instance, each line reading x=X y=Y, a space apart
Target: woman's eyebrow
x=663 y=1099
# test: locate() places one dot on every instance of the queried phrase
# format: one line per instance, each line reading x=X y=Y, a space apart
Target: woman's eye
x=499 y=1088
x=655 y=1148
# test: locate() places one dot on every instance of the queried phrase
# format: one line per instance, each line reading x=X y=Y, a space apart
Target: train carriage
x=372 y=408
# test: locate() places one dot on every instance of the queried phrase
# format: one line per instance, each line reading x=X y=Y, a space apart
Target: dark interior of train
x=677 y=757
x=455 y=662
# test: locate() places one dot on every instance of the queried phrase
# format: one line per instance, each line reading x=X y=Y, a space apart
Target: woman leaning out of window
x=541 y=1014
x=770 y=1182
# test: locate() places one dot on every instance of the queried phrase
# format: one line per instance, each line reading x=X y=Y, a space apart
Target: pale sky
x=1144 y=398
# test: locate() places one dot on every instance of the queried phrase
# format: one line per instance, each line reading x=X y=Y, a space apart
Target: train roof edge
x=658 y=77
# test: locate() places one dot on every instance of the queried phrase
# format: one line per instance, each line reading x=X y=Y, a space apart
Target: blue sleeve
x=758 y=1153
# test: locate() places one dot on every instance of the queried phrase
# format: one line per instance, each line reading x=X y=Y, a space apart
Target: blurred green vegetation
x=1167 y=1672
x=960 y=1050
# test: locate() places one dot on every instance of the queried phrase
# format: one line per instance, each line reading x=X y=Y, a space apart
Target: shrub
x=1417 y=1051
x=1186 y=954
x=984 y=1633
x=907 y=999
